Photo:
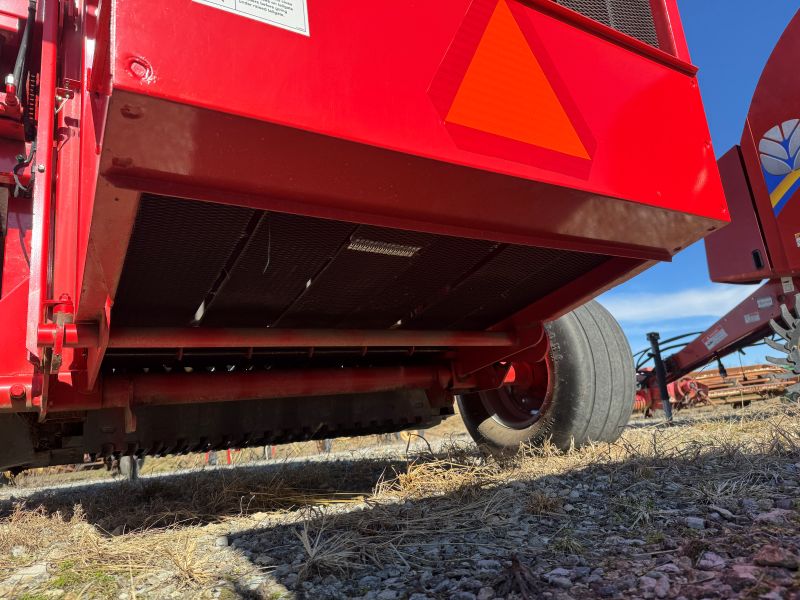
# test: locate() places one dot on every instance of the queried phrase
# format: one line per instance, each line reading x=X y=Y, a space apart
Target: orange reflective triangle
x=506 y=92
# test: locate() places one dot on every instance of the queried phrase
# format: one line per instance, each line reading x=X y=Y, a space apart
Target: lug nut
x=17 y=392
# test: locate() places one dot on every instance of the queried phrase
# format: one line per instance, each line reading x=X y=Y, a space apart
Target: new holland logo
x=498 y=92
x=780 y=160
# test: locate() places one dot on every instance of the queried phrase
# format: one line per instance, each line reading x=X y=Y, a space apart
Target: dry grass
x=715 y=456
x=88 y=563
x=376 y=512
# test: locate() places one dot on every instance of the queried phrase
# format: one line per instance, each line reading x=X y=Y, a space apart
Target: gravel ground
x=707 y=508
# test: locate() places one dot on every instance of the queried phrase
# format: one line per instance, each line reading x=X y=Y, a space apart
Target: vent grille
x=631 y=17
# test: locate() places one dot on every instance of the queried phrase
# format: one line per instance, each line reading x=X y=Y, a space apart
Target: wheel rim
x=521 y=404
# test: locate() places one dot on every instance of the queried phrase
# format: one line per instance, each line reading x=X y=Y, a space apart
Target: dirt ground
x=707 y=508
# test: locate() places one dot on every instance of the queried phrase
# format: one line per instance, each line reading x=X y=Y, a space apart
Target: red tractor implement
x=238 y=223
x=761 y=177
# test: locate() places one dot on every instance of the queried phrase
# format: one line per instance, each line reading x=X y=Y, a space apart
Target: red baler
x=236 y=222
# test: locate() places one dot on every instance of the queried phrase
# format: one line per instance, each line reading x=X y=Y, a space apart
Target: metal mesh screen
x=300 y=272
x=631 y=17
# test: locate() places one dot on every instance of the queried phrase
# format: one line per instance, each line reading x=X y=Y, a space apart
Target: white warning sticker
x=286 y=14
x=752 y=317
x=764 y=302
x=714 y=338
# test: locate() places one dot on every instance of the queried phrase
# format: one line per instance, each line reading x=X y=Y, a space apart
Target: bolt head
x=40 y=168
x=17 y=391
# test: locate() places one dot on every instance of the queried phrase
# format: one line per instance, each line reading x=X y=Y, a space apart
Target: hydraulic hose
x=22 y=53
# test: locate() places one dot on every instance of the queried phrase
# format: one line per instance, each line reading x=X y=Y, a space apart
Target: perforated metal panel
x=631 y=17
x=253 y=269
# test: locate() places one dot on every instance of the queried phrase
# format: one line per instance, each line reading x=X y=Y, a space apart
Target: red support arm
x=745 y=324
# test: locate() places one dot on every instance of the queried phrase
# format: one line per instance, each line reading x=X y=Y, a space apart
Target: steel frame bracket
x=532 y=341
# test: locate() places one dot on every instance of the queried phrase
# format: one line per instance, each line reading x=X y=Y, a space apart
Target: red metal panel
x=138 y=390
x=13 y=14
x=39 y=287
x=770 y=124
x=655 y=146
x=13 y=308
x=17 y=245
x=671 y=21
x=734 y=250
x=87 y=336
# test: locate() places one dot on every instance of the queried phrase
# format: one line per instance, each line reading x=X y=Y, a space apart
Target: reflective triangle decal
x=506 y=92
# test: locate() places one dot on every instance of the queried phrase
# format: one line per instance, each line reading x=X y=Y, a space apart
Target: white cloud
x=709 y=301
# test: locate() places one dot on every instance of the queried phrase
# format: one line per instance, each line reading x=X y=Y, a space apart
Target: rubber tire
x=129 y=467
x=593 y=388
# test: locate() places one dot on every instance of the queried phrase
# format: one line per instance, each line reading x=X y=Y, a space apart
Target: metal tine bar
x=776 y=345
x=788 y=318
x=784 y=333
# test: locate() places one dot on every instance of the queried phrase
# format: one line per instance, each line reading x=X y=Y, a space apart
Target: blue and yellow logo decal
x=780 y=160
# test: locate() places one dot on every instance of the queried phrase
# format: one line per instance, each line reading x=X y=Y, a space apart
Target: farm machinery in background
x=761 y=177
x=238 y=224
x=734 y=386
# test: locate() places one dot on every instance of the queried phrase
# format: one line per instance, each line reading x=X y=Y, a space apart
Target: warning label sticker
x=715 y=337
x=764 y=302
x=753 y=317
x=286 y=14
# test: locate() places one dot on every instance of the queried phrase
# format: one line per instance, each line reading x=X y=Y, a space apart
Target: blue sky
x=730 y=41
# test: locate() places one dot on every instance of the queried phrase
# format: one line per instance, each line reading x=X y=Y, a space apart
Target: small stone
x=723 y=512
x=711 y=561
x=581 y=572
x=568 y=508
x=419 y=596
x=221 y=541
x=444 y=585
x=369 y=581
x=776 y=515
x=742 y=576
x=695 y=523
x=775 y=556
x=785 y=503
x=647 y=584
x=387 y=595
x=661 y=589
x=749 y=504
x=31 y=574
x=18 y=551
x=607 y=591
x=485 y=593
x=488 y=564
x=559 y=572
x=562 y=582
x=669 y=568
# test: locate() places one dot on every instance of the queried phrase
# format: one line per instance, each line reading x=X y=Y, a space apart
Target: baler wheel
x=585 y=393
